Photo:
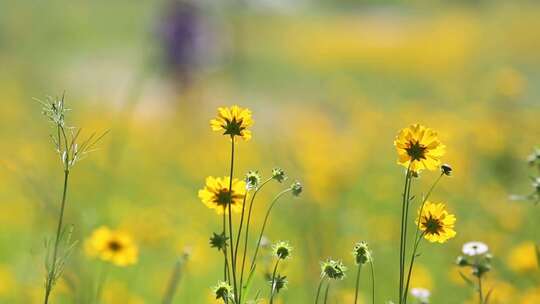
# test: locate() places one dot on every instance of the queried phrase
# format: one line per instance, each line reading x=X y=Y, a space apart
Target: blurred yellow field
x=379 y=134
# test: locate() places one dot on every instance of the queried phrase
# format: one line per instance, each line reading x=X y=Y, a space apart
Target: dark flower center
x=433 y=225
x=416 y=151
x=115 y=245
x=233 y=127
x=223 y=197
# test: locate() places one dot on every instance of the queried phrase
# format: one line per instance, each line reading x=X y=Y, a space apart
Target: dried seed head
x=223 y=291
x=253 y=180
x=361 y=253
x=282 y=250
x=446 y=169
x=278 y=174
x=296 y=188
x=333 y=269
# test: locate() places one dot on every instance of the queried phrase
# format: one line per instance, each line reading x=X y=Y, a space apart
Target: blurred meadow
x=330 y=83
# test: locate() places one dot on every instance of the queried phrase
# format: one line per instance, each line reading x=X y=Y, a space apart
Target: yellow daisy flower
x=112 y=246
x=436 y=223
x=522 y=258
x=233 y=121
x=215 y=194
x=419 y=145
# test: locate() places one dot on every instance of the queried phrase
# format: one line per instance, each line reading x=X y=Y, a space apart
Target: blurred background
x=329 y=83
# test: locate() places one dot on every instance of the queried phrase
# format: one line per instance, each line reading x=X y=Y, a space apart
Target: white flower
x=475 y=248
x=421 y=294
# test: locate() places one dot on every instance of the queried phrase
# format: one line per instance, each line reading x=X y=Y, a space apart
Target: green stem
x=102 y=278
x=173 y=281
x=238 y=242
x=372 y=282
x=233 y=262
x=52 y=272
x=252 y=267
x=326 y=292
x=413 y=258
x=319 y=289
x=273 y=286
x=357 y=285
x=247 y=234
x=417 y=239
x=226 y=269
x=405 y=225
x=401 y=241
x=480 y=294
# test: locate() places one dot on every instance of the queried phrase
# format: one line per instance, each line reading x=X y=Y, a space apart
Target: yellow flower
x=215 y=194
x=531 y=296
x=420 y=147
x=112 y=246
x=436 y=223
x=233 y=121
x=522 y=258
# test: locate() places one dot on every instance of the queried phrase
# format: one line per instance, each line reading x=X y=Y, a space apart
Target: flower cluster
x=230 y=194
x=419 y=148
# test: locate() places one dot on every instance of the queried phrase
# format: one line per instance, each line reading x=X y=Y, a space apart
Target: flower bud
x=446 y=169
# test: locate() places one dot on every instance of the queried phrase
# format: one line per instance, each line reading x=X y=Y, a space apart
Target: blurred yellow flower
x=215 y=195
x=419 y=147
x=531 y=296
x=116 y=292
x=233 y=121
x=510 y=83
x=112 y=246
x=8 y=280
x=522 y=257
x=436 y=223
x=421 y=277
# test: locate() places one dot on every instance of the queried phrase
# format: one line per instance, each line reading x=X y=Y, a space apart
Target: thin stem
x=233 y=261
x=405 y=225
x=424 y=200
x=319 y=289
x=264 y=226
x=247 y=233
x=102 y=278
x=413 y=258
x=372 y=282
x=173 y=282
x=52 y=272
x=238 y=242
x=273 y=286
x=480 y=294
x=401 y=248
x=240 y=227
x=326 y=292
x=226 y=270
x=357 y=285
x=417 y=239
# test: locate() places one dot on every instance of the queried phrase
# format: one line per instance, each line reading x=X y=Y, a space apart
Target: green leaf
x=488 y=296
x=247 y=287
x=467 y=280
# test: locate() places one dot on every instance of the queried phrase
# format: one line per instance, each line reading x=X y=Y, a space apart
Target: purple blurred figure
x=181 y=33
